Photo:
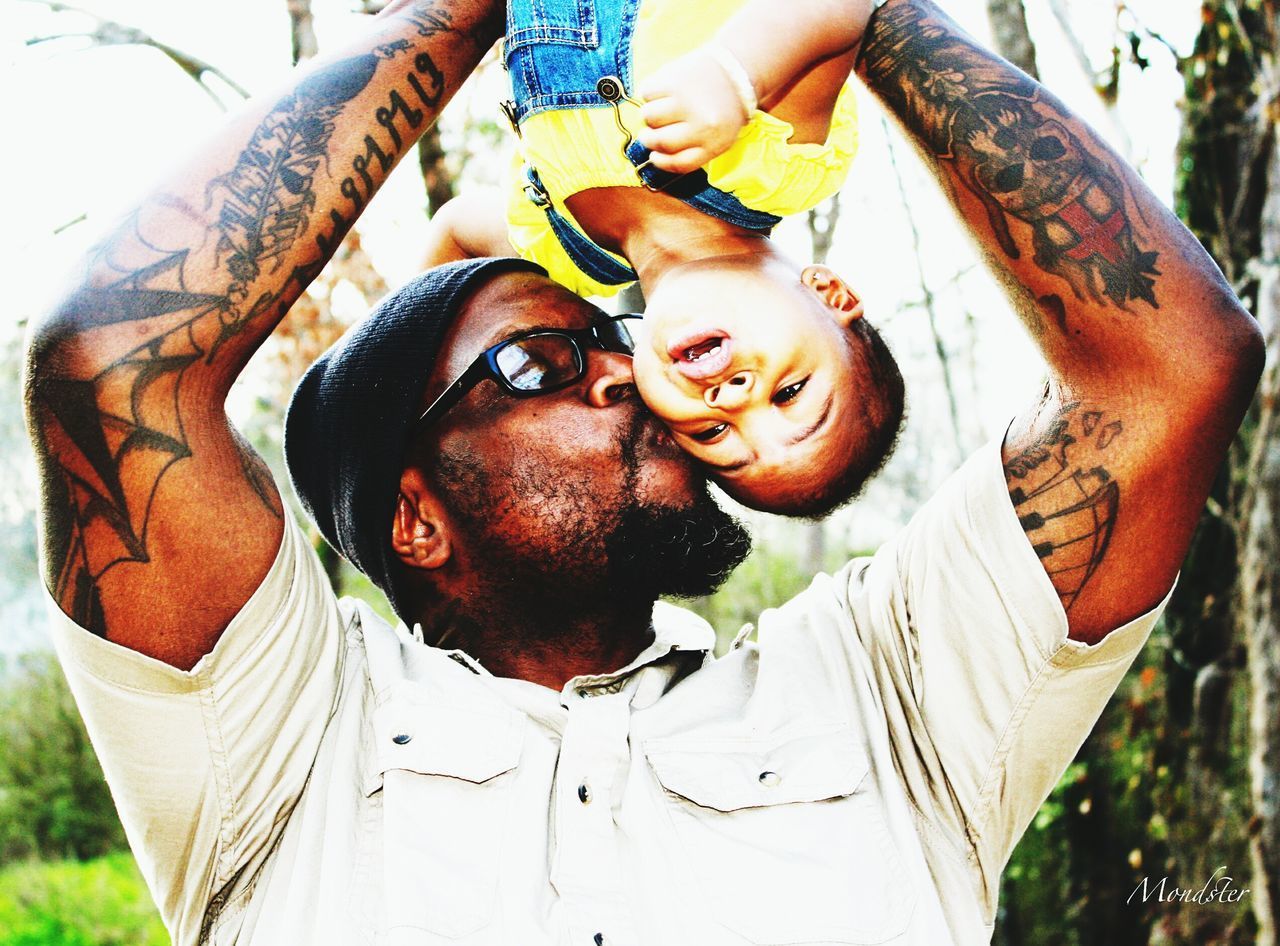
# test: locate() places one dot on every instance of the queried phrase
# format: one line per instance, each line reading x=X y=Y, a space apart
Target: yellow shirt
x=577 y=149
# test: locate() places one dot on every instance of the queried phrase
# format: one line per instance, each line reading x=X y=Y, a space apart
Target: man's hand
x=693 y=110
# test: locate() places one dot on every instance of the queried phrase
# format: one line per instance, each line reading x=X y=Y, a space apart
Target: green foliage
x=68 y=903
x=1131 y=807
x=53 y=800
x=773 y=574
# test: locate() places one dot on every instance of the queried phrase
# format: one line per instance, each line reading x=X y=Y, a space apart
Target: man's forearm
x=1152 y=360
x=150 y=501
x=1088 y=247
x=243 y=231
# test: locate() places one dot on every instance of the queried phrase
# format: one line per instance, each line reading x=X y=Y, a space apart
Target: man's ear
x=419 y=531
x=834 y=291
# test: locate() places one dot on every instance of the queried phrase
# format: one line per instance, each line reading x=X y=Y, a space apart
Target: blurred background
x=1181 y=778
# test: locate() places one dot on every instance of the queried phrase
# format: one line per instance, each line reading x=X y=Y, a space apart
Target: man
x=559 y=767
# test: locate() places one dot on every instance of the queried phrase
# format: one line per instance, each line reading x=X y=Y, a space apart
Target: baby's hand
x=694 y=109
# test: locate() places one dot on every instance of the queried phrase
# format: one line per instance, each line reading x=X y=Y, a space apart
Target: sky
x=90 y=130
x=97 y=126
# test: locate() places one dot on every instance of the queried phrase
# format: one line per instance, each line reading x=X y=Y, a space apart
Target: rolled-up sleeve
x=205 y=765
x=987 y=700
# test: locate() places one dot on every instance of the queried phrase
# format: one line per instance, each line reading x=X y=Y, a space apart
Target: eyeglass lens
x=546 y=361
x=539 y=362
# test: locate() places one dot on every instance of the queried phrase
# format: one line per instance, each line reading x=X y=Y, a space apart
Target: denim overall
x=577 y=54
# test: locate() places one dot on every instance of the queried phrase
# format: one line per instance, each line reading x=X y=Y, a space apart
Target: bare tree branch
x=1013 y=40
x=110 y=33
x=928 y=300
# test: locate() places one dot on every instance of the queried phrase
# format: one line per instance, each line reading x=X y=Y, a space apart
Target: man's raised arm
x=159 y=521
x=1152 y=360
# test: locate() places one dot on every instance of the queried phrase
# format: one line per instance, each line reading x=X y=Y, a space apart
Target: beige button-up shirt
x=858 y=775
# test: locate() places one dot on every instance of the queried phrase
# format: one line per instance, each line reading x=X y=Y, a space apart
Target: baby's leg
x=472 y=225
x=807 y=103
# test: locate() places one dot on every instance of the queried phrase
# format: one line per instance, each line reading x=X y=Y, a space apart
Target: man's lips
x=701 y=353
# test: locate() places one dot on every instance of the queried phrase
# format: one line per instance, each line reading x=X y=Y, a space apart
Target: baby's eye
x=710 y=434
x=787 y=394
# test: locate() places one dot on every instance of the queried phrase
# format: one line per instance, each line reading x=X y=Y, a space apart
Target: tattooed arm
x=159 y=521
x=1152 y=360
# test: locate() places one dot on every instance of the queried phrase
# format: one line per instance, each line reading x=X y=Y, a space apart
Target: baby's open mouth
x=701 y=354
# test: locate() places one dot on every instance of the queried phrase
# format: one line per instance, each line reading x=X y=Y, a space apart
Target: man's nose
x=732 y=394
x=609 y=378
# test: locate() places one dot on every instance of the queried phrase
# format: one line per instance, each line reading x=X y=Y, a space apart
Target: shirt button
x=584 y=793
x=770 y=779
x=598 y=939
x=401 y=738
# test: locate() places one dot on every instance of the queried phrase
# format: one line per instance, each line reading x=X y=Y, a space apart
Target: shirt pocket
x=445 y=774
x=785 y=837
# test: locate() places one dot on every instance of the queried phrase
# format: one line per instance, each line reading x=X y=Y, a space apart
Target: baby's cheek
x=654 y=388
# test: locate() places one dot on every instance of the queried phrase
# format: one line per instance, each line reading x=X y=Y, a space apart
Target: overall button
x=610 y=89
x=584 y=793
x=401 y=738
x=598 y=939
x=770 y=779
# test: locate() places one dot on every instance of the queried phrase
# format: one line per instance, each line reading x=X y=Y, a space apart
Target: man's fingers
x=682 y=162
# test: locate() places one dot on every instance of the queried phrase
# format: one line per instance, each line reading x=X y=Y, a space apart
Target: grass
x=102 y=902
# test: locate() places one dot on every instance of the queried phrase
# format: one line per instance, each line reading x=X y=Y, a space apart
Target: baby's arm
x=696 y=105
x=472 y=225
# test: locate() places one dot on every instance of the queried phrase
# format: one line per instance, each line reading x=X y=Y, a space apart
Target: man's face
x=581 y=489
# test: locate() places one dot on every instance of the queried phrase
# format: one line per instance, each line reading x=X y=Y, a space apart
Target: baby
x=764 y=371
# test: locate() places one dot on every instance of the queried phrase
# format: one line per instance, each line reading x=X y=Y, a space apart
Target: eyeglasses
x=538 y=362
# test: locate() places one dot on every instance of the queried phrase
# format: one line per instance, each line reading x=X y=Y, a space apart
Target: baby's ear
x=834 y=291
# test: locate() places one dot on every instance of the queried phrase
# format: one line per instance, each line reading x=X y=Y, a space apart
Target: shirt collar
x=674 y=629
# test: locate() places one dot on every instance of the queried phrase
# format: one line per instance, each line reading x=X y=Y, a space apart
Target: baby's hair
x=884 y=411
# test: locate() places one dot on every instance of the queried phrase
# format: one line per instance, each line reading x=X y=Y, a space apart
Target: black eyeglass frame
x=486 y=368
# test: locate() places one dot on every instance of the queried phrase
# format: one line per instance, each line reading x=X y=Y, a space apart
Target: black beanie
x=348 y=424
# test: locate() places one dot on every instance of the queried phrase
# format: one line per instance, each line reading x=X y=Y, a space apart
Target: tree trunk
x=301 y=30
x=1260 y=581
x=1230 y=196
x=436 y=174
x=1012 y=38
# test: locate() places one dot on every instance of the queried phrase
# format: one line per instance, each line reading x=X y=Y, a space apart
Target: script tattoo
x=1014 y=148
x=1065 y=498
x=106 y=437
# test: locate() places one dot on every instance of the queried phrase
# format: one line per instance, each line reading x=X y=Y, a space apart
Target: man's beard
x=654 y=550
x=594 y=552
x=661 y=550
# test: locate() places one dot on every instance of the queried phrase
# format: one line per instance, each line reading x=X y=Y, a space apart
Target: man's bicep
x=159 y=520
x=1108 y=491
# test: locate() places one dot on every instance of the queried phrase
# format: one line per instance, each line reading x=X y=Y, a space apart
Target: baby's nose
x=730 y=394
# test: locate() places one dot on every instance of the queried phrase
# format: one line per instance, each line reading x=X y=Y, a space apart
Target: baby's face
x=752 y=374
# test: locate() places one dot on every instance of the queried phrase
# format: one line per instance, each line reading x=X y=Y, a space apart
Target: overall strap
x=586 y=255
x=696 y=190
